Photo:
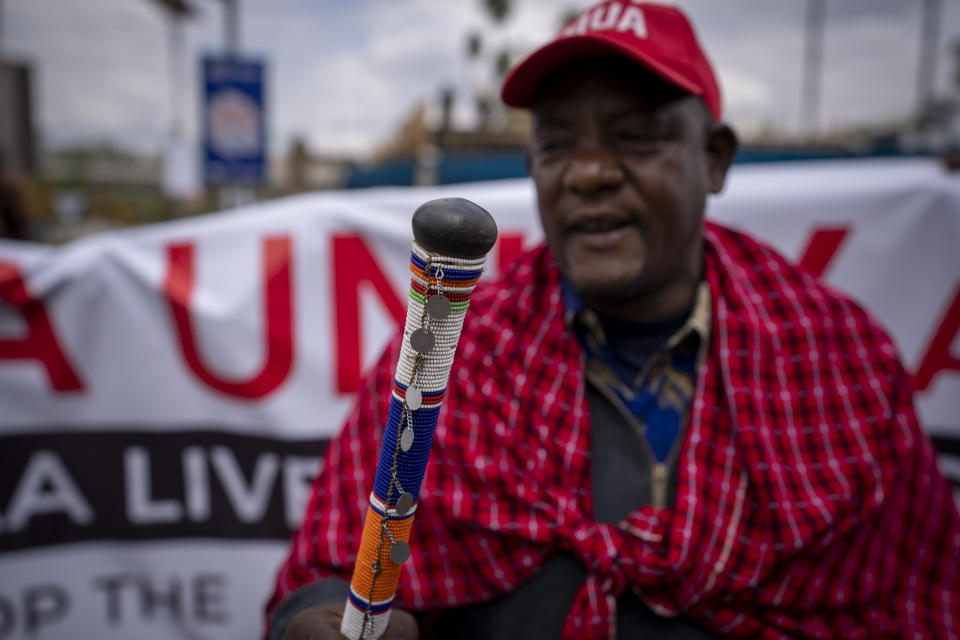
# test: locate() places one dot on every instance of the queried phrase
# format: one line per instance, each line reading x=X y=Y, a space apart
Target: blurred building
x=421 y=153
x=302 y=170
x=101 y=166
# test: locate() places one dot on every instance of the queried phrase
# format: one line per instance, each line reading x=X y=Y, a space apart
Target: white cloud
x=869 y=71
x=743 y=91
x=345 y=73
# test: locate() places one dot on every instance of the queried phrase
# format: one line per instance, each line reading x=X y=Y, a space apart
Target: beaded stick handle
x=451 y=239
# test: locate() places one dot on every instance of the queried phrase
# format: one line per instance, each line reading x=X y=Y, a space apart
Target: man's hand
x=323 y=623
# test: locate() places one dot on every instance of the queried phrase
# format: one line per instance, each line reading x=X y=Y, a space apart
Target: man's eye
x=639 y=137
x=550 y=145
x=637 y=142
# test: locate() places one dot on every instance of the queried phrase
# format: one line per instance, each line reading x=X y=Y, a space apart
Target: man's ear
x=721 y=147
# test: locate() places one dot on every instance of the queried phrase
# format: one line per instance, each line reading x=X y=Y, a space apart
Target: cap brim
x=522 y=83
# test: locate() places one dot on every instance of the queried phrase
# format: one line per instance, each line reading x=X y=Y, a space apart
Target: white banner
x=173 y=386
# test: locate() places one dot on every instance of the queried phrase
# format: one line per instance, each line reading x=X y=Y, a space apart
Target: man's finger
x=323 y=623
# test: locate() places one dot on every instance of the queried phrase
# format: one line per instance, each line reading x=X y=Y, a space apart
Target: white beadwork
x=352 y=623
x=434 y=371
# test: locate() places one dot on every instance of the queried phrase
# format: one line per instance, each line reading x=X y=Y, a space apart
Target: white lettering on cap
x=604 y=18
x=576 y=28
x=633 y=19
x=607 y=17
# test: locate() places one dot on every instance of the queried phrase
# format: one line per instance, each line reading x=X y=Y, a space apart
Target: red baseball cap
x=658 y=37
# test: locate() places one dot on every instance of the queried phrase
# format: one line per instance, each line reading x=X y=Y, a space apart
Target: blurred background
x=123 y=112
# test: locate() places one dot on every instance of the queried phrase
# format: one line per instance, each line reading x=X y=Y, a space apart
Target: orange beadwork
x=386 y=585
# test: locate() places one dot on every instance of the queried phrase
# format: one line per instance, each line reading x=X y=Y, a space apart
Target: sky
x=343 y=74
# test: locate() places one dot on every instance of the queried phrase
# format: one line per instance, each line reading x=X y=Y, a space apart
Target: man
x=656 y=426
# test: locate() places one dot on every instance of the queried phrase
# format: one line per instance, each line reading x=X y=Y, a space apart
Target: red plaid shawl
x=809 y=503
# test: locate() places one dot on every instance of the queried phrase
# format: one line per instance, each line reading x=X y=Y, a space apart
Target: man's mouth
x=599 y=232
x=600 y=223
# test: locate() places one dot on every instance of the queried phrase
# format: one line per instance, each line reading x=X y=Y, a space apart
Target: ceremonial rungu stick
x=451 y=239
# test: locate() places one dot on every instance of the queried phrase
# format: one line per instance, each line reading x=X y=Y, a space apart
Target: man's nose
x=593 y=170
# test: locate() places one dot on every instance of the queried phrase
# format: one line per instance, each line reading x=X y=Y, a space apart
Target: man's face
x=622 y=166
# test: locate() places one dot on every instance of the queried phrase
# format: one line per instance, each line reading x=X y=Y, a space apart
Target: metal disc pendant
x=406 y=439
x=414 y=398
x=404 y=504
x=399 y=551
x=438 y=306
x=421 y=340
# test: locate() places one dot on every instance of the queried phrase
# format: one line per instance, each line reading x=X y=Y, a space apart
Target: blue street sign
x=234 y=132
